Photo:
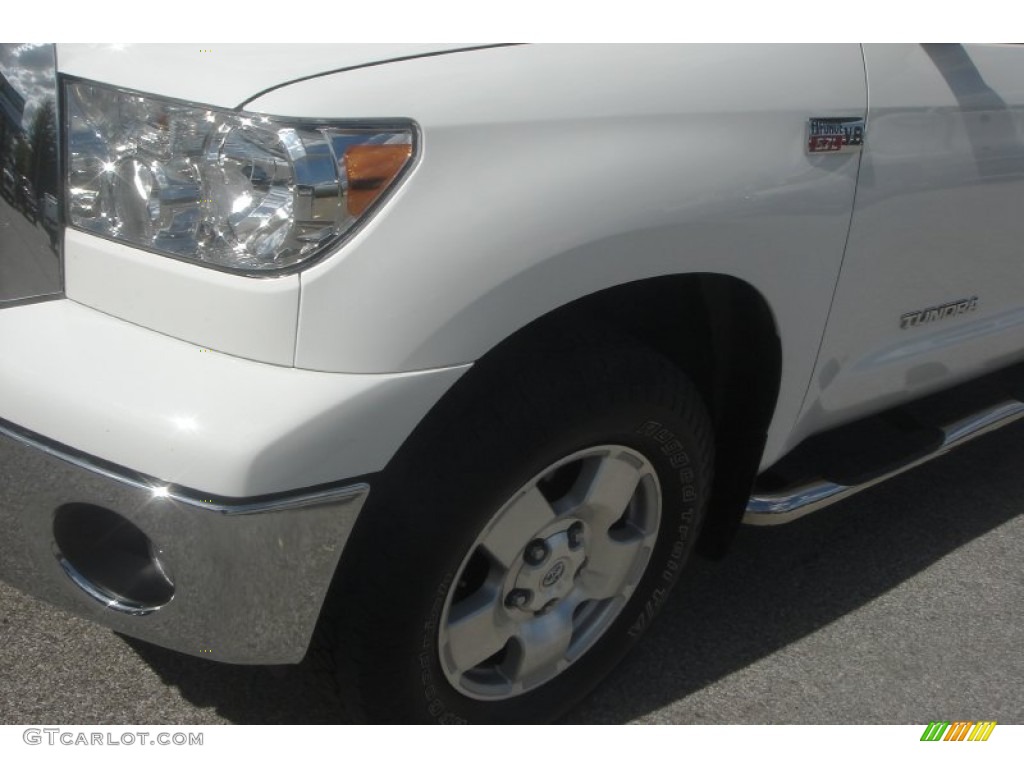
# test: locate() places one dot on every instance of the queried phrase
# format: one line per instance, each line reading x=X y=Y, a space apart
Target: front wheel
x=523 y=540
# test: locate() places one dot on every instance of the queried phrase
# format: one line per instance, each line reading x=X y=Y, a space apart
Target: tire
x=538 y=518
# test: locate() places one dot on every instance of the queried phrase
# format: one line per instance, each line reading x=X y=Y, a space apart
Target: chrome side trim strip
x=784 y=506
x=160 y=490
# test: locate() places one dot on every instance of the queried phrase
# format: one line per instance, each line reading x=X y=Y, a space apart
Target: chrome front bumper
x=249 y=576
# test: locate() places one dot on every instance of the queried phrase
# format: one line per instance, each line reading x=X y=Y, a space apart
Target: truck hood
x=225 y=75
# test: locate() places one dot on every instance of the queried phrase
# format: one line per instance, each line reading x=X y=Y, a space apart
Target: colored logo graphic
x=961 y=730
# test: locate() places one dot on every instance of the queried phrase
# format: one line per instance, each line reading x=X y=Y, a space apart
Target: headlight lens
x=234 y=190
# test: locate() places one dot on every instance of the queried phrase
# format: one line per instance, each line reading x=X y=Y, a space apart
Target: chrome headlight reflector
x=233 y=190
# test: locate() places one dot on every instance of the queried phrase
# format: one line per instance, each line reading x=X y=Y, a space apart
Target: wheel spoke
x=606 y=488
x=513 y=531
x=610 y=563
x=543 y=643
x=476 y=629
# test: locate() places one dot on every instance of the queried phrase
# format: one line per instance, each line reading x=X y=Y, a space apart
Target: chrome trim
x=250 y=575
x=784 y=506
x=160 y=490
x=113 y=603
x=31 y=219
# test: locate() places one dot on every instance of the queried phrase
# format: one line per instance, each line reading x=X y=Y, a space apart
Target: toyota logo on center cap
x=554 y=574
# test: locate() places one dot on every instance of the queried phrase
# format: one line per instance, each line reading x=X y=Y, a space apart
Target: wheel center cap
x=548 y=571
x=556 y=572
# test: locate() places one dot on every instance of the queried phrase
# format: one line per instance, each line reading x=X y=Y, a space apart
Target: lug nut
x=575 y=534
x=518 y=598
x=536 y=552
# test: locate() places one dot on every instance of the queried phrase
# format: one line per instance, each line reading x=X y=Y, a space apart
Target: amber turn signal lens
x=370 y=169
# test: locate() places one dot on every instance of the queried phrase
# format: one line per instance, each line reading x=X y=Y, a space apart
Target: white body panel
x=939 y=218
x=548 y=173
x=222 y=75
x=194 y=417
x=229 y=313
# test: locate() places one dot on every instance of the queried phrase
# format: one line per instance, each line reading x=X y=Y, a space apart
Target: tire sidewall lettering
x=673 y=449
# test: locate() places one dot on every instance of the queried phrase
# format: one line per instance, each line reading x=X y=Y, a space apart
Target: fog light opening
x=111 y=559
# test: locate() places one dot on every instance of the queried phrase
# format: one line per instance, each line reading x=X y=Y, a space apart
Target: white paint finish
x=195 y=417
x=550 y=172
x=939 y=217
x=252 y=318
x=222 y=75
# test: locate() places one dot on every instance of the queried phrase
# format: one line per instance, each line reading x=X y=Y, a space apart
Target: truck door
x=931 y=290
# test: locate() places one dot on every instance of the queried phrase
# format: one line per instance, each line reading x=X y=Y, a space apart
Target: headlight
x=234 y=190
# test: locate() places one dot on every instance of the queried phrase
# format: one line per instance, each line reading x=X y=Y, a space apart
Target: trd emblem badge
x=835 y=134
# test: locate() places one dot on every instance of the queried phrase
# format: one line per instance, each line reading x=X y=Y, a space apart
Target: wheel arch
x=717 y=329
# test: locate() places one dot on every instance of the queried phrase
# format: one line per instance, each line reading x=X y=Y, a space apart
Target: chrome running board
x=789 y=504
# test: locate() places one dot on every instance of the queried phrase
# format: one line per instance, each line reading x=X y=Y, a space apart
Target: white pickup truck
x=440 y=362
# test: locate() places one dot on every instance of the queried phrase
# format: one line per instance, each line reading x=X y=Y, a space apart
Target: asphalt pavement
x=900 y=605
